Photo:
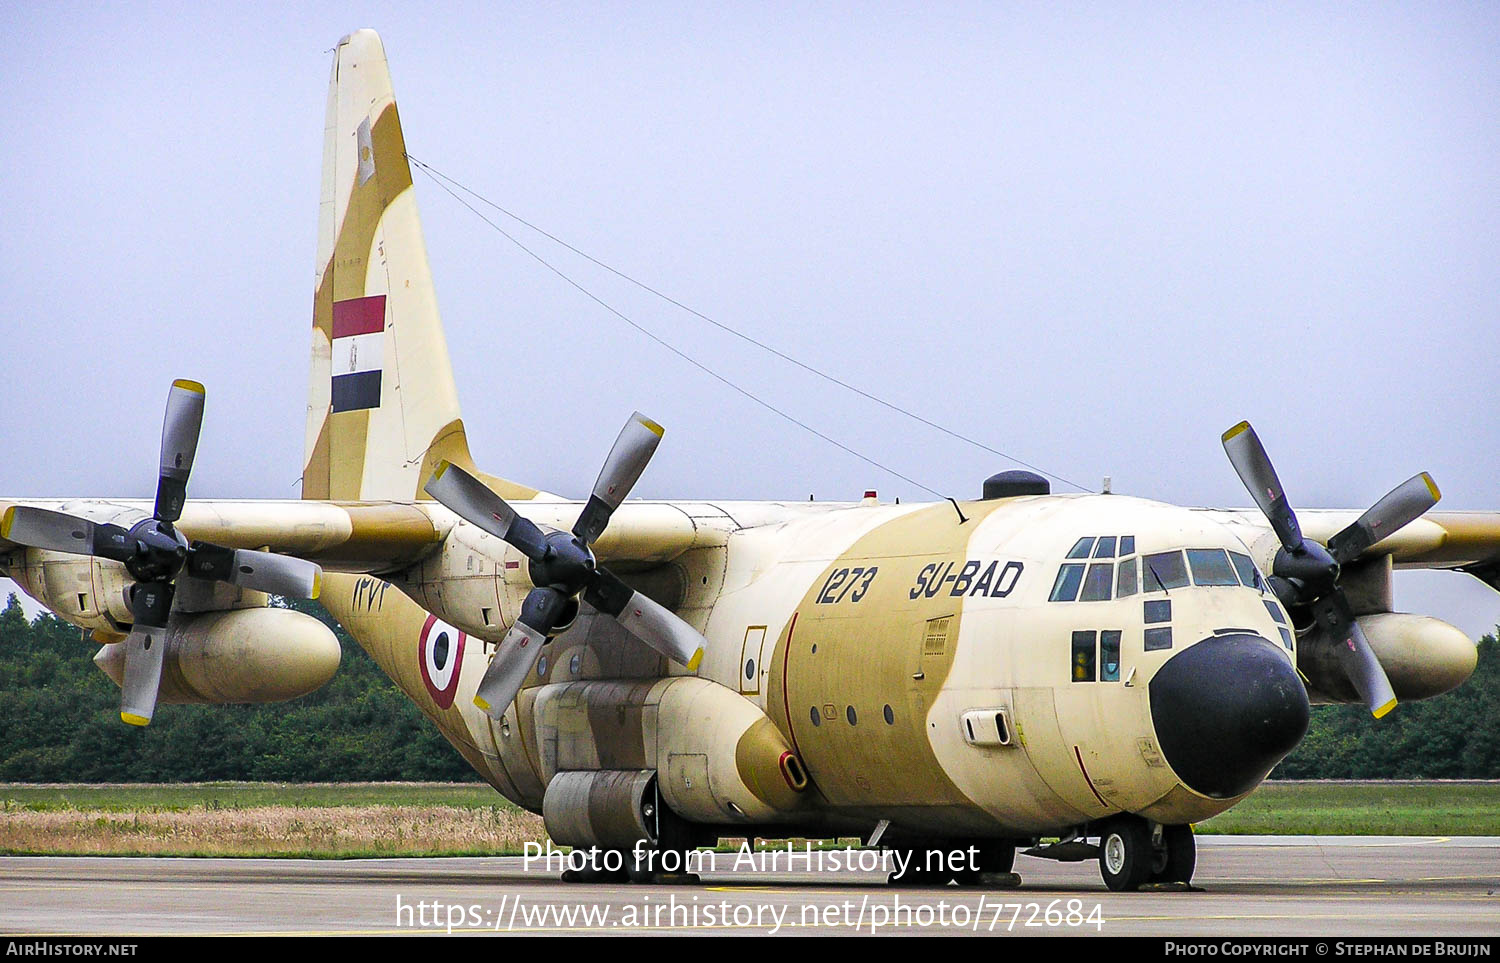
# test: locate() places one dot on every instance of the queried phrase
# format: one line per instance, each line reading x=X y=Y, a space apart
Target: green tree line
x=61 y=723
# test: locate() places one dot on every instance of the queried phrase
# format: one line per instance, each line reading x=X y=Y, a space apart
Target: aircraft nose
x=1226 y=711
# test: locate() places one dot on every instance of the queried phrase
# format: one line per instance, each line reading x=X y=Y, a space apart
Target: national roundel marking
x=440 y=652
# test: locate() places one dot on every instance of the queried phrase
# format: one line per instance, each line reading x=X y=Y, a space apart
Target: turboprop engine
x=1421 y=655
x=245 y=655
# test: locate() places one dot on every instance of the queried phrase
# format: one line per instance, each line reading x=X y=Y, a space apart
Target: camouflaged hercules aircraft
x=985 y=674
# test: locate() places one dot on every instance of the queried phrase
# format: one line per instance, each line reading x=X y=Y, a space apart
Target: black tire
x=997 y=857
x=1125 y=854
x=1180 y=857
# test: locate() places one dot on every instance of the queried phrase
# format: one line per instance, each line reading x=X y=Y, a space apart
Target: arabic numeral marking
x=835 y=579
x=847 y=583
x=864 y=586
x=854 y=575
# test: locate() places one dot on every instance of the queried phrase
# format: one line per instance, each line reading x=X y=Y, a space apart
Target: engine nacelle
x=246 y=655
x=608 y=748
x=1422 y=656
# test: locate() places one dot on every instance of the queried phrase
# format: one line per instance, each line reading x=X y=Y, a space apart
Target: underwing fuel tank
x=1421 y=655
x=245 y=655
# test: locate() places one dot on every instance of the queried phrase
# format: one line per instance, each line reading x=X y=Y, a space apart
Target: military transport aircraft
x=1098 y=670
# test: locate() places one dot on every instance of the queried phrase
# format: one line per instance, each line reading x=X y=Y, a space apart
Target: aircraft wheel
x=1179 y=856
x=998 y=857
x=917 y=873
x=1125 y=854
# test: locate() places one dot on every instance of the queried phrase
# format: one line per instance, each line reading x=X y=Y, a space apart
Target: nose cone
x=1226 y=711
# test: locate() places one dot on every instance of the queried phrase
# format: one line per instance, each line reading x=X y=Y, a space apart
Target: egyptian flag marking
x=358 y=337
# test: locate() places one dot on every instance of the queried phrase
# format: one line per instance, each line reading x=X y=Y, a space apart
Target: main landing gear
x=985 y=863
x=1134 y=853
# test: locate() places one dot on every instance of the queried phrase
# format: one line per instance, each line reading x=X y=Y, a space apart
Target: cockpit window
x=1106 y=547
x=1125 y=582
x=1248 y=573
x=1081 y=547
x=1211 y=567
x=1097 y=585
x=1065 y=589
x=1165 y=570
x=1127 y=545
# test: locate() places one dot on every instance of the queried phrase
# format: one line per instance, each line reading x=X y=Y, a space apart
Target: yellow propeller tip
x=1238 y=429
x=1384 y=710
x=1432 y=486
x=187 y=385
x=131 y=719
x=650 y=425
x=6 y=521
x=696 y=660
x=441 y=467
x=481 y=704
x=317 y=588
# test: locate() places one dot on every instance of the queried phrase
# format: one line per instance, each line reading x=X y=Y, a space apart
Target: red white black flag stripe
x=357 y=352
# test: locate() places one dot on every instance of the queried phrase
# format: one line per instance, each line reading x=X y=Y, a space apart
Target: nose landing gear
x=1133 y=853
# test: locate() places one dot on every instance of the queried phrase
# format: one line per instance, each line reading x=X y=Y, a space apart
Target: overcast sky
x=1092 y=237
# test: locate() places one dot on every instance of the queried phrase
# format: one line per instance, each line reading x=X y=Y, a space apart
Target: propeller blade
x=1253 y=465
x=622 y=469
x=179 y=443
x=519 y=651
x=468 y=498
x=1358 y=659
x=145 y=648
x=653 y=624
x=59 y=532
x=262 y=571
x=1403 y=504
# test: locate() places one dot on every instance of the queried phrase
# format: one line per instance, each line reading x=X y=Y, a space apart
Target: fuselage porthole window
x=1159 y=638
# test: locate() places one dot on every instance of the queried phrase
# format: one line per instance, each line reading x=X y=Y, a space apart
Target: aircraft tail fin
x=382 y=408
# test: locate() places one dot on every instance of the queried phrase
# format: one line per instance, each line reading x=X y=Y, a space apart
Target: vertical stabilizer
x=382 y=408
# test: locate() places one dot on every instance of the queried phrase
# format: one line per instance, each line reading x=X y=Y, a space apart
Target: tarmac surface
x=1245 y=885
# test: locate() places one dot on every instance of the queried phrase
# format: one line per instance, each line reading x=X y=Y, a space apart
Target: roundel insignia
x=440 y=652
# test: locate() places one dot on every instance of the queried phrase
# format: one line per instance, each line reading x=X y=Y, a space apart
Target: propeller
x=1306 y=573
x=155 y=553
x=563 y=567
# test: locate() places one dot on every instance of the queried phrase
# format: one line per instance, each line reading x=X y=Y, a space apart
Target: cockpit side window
x=1211 y=567
x=1246 y=570
x=1125 y=583
x=1164 y=570
x=1083 y=656
x=1065 y=589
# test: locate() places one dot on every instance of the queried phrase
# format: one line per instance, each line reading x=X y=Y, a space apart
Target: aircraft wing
x=1462 y=541
x=375 y=537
